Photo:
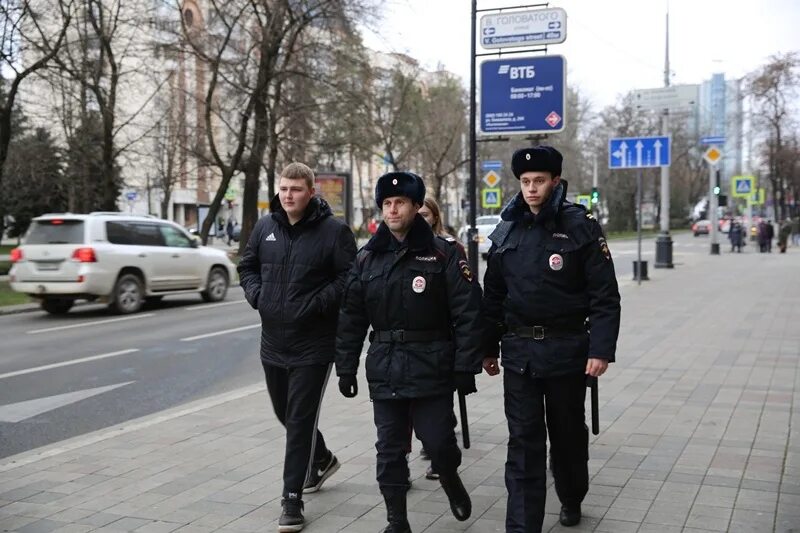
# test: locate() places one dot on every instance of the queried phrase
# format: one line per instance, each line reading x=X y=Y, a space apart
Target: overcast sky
x=612 y=46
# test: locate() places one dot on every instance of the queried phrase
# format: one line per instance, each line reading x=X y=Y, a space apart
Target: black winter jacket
x=294 y=276
x=421 y=285
x=553 y=269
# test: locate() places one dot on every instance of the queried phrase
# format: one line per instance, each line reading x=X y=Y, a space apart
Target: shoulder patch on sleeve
x=463 y=266
x=589 y=216
x=604 y=248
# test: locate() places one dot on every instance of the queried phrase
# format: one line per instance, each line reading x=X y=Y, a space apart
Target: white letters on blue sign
x=526 y=72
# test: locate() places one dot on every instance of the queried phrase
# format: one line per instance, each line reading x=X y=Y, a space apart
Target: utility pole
x=472 y=244
x=664 y=240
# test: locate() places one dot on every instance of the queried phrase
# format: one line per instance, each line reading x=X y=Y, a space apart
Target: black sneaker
x=291 y=519
x=319 y=474
x=430 y=473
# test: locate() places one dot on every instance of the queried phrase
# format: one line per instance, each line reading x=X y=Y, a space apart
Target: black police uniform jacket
x=294 y=276
x=554 y=270
x=380 y=291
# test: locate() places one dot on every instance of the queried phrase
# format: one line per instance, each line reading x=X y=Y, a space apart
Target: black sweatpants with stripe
x=296 y=395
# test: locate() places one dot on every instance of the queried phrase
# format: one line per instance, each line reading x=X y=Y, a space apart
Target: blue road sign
x=719 y=140
x=638 y=152
x=743 y=186
x=492 y=165
x=523 y=95
x=131 y=196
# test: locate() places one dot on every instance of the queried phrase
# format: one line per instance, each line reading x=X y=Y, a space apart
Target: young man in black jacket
x=293 y=272
x=549 y=270
x=422 y=301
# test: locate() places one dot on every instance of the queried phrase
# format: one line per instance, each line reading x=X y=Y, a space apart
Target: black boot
x=460 y=504
x=396 y=513
x=570 y=515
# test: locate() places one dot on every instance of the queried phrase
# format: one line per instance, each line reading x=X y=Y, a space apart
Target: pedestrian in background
x=229 y=230
x=762 y=236
x=783 y=235
x=417 y=292
x=736 y=237
x=433 y=216
x=293 y=272
x=770 y=229
x=796 y=231
x=549 y=270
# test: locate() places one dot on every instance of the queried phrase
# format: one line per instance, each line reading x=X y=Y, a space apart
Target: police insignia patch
x=604 y=248
x=589 y=216
x=465 y=271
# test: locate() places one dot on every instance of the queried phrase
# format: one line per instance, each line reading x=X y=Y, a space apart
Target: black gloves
x=465 y=383
x=348 y=386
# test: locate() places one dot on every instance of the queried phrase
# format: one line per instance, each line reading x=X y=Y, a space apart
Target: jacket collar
x=316 y=210
x=420 y=236
x=517 y=210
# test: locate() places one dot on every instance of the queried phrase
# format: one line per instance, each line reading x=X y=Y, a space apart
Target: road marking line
x=67 y=363
x=223 y=332
x=209 y=306
x=37 y=454
x=95 y=323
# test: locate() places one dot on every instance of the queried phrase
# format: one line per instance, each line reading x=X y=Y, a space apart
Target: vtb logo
x=517 y=73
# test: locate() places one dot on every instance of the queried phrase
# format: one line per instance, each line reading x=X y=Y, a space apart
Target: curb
x=17 y=309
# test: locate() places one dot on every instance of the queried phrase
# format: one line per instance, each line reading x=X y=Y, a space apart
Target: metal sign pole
x=639 y=226
x=712 y=208
x=472 y=244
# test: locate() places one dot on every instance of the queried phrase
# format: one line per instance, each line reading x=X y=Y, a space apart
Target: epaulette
x=500 y=232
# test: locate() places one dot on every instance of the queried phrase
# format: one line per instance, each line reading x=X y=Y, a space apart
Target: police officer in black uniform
x=423 y=303
x=551 y=300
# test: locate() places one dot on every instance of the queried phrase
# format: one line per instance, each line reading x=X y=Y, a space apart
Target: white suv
x=117 y=258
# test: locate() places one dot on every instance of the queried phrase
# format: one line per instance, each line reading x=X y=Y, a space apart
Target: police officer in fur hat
x=417 y=292
x=551 y=302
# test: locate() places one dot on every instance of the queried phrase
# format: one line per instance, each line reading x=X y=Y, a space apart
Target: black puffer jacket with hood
x=294 y=276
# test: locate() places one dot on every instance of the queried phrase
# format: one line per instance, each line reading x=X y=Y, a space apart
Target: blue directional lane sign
x=638 y=152
x=523 y=95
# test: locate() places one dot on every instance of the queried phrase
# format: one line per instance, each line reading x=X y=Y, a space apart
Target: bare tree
x=773 y=88
x=395 y=109
x=443 y=131
x=251 y=50
x=31 y=34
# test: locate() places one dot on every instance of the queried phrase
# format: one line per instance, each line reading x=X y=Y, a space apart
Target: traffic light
x=716 y=184
x=595 y=195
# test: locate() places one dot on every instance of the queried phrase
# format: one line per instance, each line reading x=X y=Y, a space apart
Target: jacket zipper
x=285 y=277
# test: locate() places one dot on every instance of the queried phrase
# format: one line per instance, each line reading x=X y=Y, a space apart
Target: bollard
x=636 y=270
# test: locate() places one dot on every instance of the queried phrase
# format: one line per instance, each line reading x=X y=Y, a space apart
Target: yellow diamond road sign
x=712 y=155
x=491 y=178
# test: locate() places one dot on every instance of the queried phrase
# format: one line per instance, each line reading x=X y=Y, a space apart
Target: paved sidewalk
x=700 y=432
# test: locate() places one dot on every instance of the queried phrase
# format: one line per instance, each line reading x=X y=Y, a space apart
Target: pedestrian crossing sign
x=585 y=200
x=742 y=186
x=490 y=198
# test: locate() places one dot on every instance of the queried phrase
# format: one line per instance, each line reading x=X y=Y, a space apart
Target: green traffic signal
x=595 y=195
x=716 y=190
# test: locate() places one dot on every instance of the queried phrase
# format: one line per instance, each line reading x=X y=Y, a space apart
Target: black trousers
x=533 y=407
x=296 y=395
x=433 y=421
